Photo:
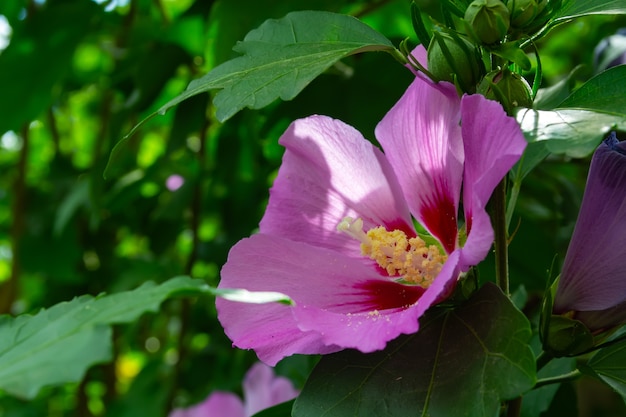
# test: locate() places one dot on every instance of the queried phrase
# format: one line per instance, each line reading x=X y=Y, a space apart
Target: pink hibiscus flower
x=592 y=287
x=261 y=390
x=338 y=235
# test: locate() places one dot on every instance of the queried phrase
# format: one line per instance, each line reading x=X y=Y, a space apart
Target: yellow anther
x=409 y=259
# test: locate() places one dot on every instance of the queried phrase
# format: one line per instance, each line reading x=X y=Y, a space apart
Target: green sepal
x=512 y=52
x=451 y=56
x=418 y=25
x=561 y=336
x=488 y=20
x=546 y=311
x=567 y=337
x=506 y=87
x=465 y=287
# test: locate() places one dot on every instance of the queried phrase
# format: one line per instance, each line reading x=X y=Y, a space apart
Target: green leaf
x=576 y=133
x=577 y=8
x=550 y=97
x=57 y=345
x=462 y=362
x=534 y=153
x=609 y=364
x=280 y=58
x=538 y=400
x=606 y=92
x=573 y=132
x=512 y=52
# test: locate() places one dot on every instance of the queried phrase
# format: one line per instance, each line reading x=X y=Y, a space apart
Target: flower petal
x=270 y=329
x=218 y=404
x=419 y=54
x=329 y=290
x=421 y=138
x=262 y=389
x=370 y=329
x=330 y=171
x=479 y=240
x=603 y=319
x=493 y=143
x=593 y=272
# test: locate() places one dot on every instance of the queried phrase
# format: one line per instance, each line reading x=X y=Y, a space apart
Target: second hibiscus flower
x=338 y=235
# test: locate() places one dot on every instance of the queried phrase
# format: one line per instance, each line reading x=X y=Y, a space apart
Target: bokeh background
x=77 y=75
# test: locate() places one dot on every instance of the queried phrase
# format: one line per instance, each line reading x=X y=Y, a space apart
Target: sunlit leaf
x=577 y=8
x=575 y=133
x=550 y=97
x=279 y=59
x=57 y=345
x=462 y=362
x=606 y=92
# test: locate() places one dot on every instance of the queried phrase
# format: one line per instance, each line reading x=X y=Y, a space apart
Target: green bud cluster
x=489 y=20
x=462 y=42
x=507 y=87
x=455 y=59
x=524 y=12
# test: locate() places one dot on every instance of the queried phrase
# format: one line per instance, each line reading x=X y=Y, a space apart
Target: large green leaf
x=609 y=364
x=573 y=132
x=281 y=57
x=462 y=362
x=606 y=92
x=57 y=345
x=577 y=8
x=581 y=121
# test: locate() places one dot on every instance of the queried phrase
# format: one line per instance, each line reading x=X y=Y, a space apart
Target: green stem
x=501 y=238
x=419 y=67
x=515 y=189
x=398 y=56
x=558 y=379
x=543 y=359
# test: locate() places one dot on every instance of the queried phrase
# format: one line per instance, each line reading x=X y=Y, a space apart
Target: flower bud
x=592 y=288
x=453 y=58
x=489 y=20
x=523 y=12
x=507 y=87
x=567 y=337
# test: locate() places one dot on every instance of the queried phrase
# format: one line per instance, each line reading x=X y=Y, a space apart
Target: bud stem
x=399 y=56
x=558 y=379
x=501 y=238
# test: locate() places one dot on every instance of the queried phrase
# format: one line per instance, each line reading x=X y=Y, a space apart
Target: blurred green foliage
x=76 y=76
